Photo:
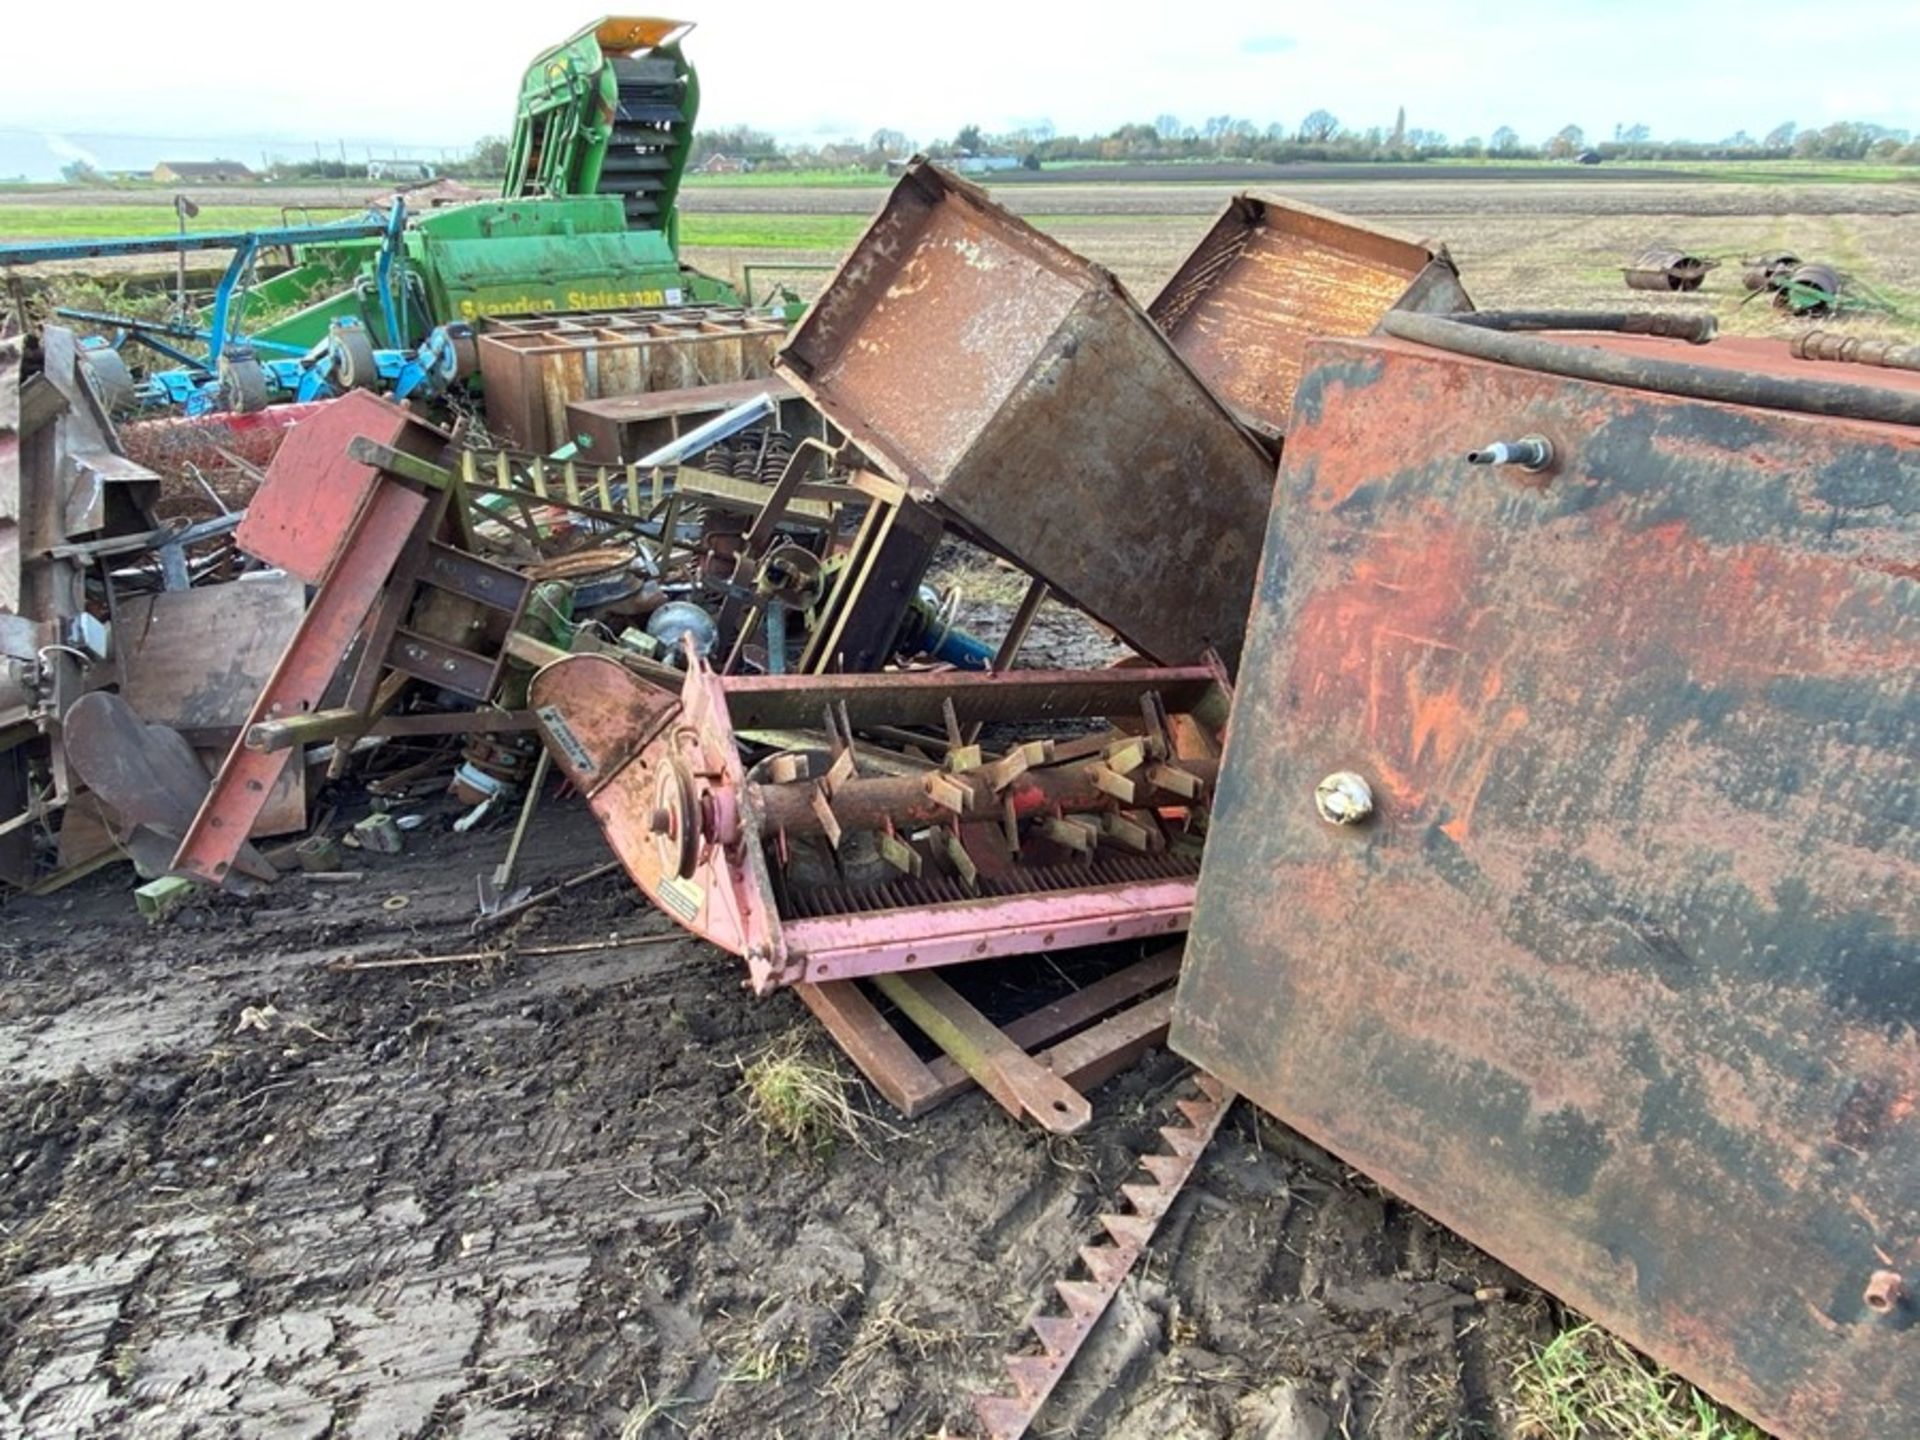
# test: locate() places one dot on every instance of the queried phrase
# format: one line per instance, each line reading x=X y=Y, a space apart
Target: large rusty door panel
x=1620 y=978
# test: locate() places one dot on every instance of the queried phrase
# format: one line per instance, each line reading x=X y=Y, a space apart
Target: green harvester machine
x=587 y=219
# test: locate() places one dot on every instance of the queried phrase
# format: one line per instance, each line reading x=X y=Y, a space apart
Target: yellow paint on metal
x=638 y=32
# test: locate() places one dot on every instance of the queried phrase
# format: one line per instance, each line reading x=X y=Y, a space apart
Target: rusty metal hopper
x=1620 y=977
x=1270 y=277
x=996 y=373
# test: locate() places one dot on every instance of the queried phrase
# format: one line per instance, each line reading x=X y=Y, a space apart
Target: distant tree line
x=1320 y=135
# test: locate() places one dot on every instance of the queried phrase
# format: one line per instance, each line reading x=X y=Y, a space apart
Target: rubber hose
x=1665 y=377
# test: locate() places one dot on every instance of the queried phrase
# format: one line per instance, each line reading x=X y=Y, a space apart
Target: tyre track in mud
x=522 y=1199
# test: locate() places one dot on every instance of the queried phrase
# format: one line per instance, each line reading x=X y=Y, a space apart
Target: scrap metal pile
x=1521 y=724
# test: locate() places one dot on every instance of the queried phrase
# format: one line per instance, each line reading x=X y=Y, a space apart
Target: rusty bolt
x=1531 y=452
x=1343 y=798
x=1885 y=1291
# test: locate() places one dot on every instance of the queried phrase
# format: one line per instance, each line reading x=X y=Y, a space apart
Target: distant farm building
x=722 y=165
x=985 y=164
x=399 y=170
x=200 y=172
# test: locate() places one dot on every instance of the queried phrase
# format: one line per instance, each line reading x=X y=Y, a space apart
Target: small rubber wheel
x=354 y=365
x=243 y=385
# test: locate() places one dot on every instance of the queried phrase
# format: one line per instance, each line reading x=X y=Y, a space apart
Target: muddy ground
x=250 y=1194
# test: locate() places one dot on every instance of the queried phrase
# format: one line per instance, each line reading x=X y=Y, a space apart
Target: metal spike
x=1082 y=1297
x=1167 y=1170
x=1107 y=1265
x=1033 y=1375
x=1196 y=1111
x=1149 y=1200
x=1129 y=1232
x=1005 y=1417
x=1181 y=1141
x=1057 y=1335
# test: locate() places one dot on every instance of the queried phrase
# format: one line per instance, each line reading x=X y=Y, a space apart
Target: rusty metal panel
x=1621 y=977
x=1269 y=277
x=996 y=373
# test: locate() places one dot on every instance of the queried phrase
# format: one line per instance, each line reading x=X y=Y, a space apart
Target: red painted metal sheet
x=1621 y=980
x=300 y=517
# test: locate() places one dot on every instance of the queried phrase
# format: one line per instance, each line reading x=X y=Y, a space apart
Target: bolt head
x=1343 y=798
x=1885 y=1290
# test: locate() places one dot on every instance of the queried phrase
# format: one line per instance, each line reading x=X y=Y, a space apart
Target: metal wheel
x=676 y=820
x=112 y=380
x=243 y=384
x=351 y=351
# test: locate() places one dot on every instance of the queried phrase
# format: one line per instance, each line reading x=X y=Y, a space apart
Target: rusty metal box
x=1621 y=978
x=995 y=372
x=1269 y=277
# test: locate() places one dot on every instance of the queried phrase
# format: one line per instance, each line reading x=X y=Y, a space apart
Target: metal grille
x=817 y=901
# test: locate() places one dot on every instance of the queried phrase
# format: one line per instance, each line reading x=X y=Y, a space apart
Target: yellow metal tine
x=502 y=471
x=539 y=478
x=571 y=473
x=633 y=491
x=606 y=493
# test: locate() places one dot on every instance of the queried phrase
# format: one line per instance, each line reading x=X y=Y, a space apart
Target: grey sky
x=248 y=77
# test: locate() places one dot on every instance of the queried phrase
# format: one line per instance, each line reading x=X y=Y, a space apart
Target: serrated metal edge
x=1108 y=1260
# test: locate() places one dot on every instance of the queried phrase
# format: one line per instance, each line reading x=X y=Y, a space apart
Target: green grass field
x=44 y=221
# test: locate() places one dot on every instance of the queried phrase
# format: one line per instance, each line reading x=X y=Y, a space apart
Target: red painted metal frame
x=614 y=734
x=1622 y=977
x=379 y=533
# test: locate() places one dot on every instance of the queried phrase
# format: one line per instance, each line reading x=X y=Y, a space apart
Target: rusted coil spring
x=1473 y=335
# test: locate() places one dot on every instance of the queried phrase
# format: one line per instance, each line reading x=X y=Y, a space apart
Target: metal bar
x=40 y=252
x=465 y=672
x=888 y=1062
x=503 y=873
x=783 y=701
x=339 y=608
x=1048 y=1024
x=1002 y=1068
x=1016 y=636
x=324 y=725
